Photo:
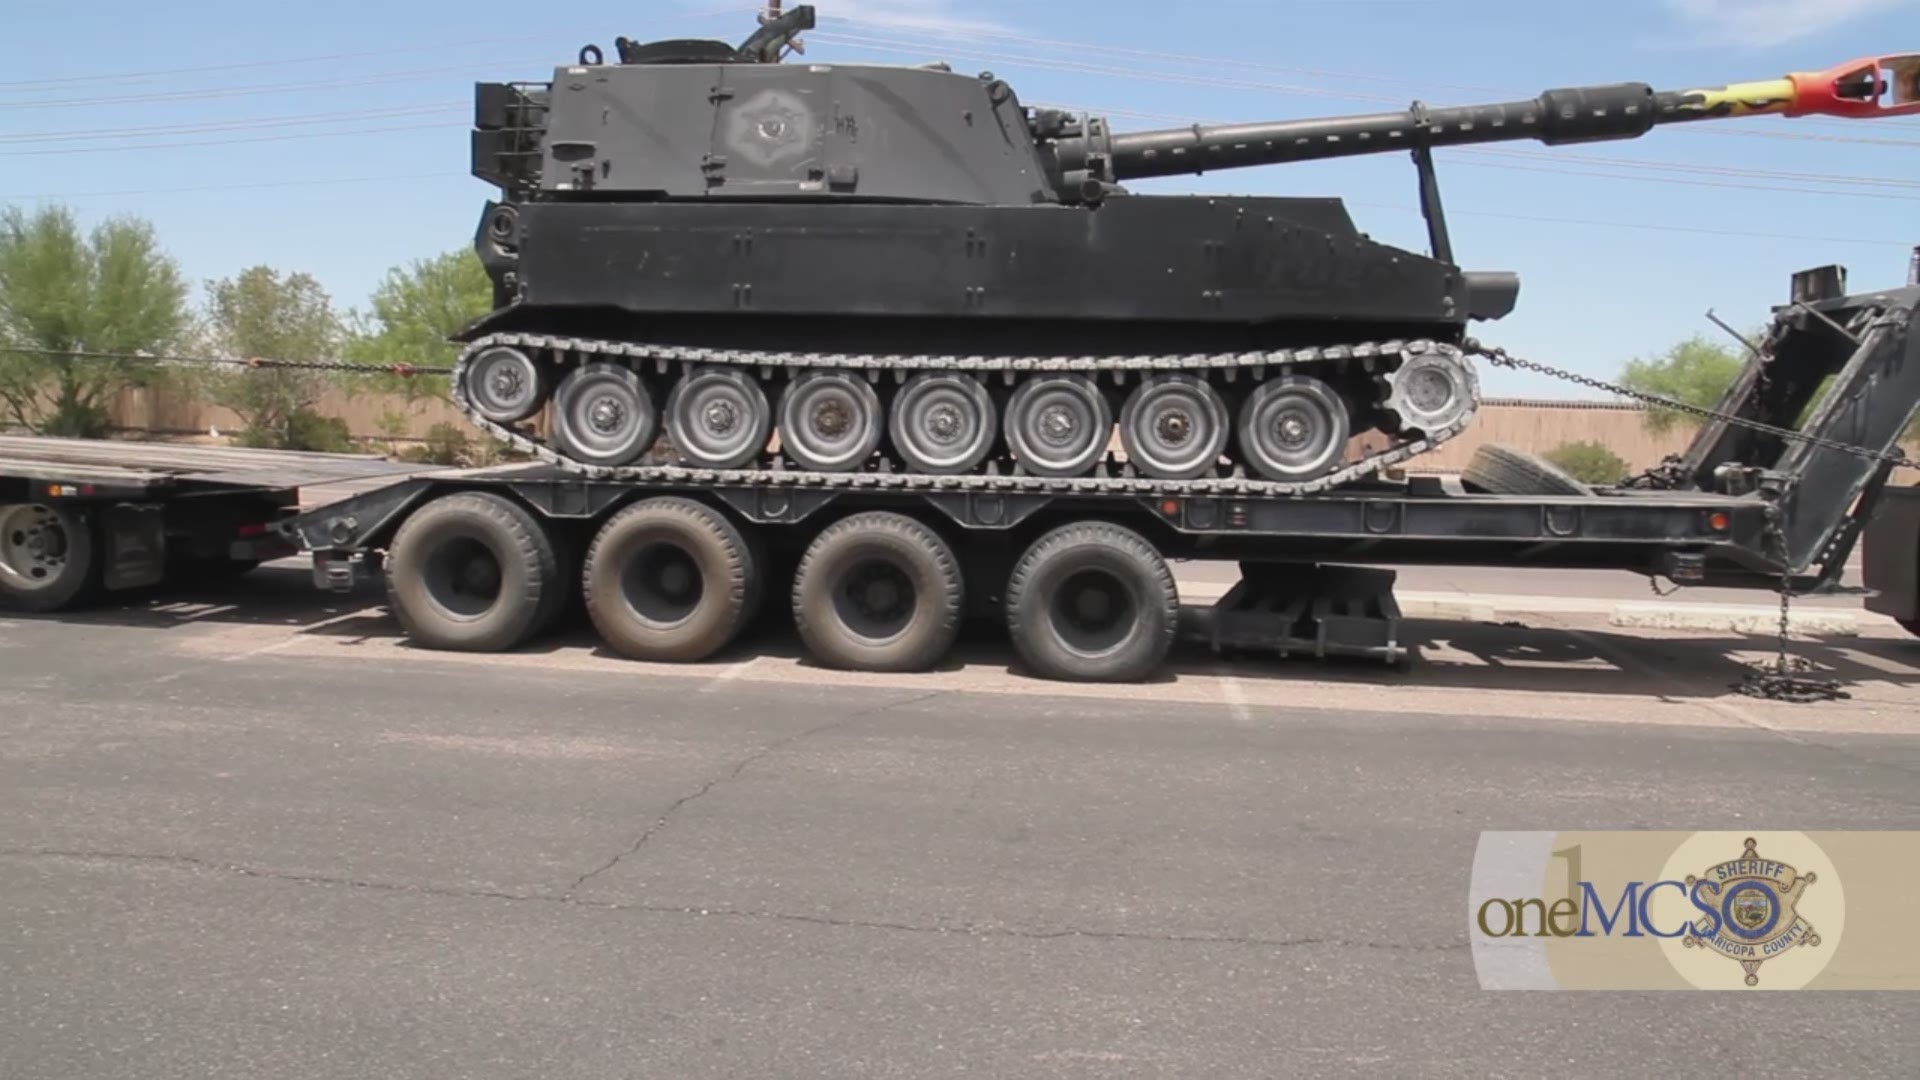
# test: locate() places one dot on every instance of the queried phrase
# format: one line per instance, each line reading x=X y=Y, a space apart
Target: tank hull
x=1238 y=272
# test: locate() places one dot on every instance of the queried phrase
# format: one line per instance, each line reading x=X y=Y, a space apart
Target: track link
x=1376 y=357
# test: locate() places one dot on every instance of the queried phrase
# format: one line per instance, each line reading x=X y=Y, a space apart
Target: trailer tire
x=670 y=579
x=878 y=591
x=1502 y=470
x=1092 y=602
x=49 y=557
x=473 y=572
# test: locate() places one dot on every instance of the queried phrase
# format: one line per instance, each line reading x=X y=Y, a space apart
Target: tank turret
x=905 y=271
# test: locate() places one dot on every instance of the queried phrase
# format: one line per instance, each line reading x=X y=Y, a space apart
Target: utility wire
x=287 y=137
x=243 y=65
x=200 y=188
x=240 y=124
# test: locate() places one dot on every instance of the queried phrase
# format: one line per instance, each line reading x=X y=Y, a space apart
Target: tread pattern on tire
x=741 y=588
x=1102 y=534
x=818 y=630
x=1503 y=470
x=544 y=593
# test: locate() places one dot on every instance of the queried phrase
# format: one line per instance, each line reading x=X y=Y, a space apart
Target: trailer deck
x=119 y=469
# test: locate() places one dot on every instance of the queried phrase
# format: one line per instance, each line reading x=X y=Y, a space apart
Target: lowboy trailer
x=880 y=568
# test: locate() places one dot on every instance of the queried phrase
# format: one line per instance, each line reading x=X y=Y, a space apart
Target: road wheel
x=473 y=573
x=1092 y=602
x=669 y=579
x=48 y=556
x=878 y=592
x=1502 y=470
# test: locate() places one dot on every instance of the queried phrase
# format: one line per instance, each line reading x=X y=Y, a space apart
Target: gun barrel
x=1881 y=86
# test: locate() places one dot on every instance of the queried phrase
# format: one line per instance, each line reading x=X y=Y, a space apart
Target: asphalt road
x=260 y=836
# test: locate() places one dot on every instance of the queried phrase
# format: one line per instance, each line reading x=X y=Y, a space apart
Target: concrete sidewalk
x=1643 y=614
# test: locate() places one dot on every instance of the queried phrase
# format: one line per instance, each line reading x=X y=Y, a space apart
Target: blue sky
x=331 y=137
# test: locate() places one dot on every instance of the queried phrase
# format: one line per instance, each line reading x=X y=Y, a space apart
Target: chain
x=254 y=362
x=1787 y=679
x=1500 y=357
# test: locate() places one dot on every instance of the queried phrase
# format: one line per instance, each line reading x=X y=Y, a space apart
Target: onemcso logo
x=1743 y=908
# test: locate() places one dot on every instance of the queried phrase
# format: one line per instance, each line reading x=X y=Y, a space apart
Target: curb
x=1750 y=619
x=1738 y=619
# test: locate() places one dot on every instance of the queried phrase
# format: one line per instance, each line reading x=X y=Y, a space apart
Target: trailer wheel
x=670 y=579
x=1502 y=470
x=878 y=592
x=48 y=557
x=473 y=573
x=1092 y=602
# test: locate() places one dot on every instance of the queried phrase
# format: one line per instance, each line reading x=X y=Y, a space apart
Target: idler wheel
x=942 y=423
x=718 y=418
x=1293 y=428
x=505 y=385
x=829 y=421
x=1174 y=427
x=1058 y=425
x=603 y=415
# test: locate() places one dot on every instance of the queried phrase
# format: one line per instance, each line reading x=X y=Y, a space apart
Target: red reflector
x=1719 y=521
x=86 y=489
x=252 y=530
x=1170 y=507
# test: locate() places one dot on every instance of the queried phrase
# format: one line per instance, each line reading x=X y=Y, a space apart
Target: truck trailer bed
x=118 y=468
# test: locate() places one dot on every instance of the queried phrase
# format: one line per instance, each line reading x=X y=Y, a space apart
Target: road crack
x=195 y=864
x=730 y=774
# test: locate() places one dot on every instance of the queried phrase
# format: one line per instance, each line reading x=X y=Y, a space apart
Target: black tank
x=710 y=259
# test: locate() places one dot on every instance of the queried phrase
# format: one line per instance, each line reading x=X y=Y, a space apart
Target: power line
x=1686 y=182
x=243 y=65
x=1697 y=168
x=200 y=127
x=229 y=142
x=1641 y=225
x=250 y=90
x=210 y=188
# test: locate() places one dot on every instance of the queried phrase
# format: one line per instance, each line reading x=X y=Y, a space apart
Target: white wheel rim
x=604 y=415
x=1058 y=426
x=504 y=385
x=943 y=424
x=718 y=419
x=1173 y=427
x=1293 y=430
x=34 y=547
x=829 y=421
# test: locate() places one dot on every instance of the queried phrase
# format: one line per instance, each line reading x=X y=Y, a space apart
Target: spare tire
x=1502 y=470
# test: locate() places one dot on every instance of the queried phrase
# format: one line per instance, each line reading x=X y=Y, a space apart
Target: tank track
x=1375 y=357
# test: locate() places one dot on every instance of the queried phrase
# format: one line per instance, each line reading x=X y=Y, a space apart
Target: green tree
x=1588 y=462
x=112 y=290
x=414 y=310
x=261 y=313
x=1696 y=371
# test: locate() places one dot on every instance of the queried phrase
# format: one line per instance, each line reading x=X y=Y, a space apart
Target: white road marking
x=727 y=675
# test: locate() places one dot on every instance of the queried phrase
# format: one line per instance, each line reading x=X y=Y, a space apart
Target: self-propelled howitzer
x=842 y=269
